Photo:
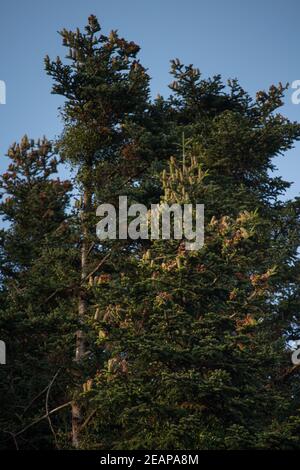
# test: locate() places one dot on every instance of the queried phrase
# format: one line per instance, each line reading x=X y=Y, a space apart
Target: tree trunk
x=77 y=417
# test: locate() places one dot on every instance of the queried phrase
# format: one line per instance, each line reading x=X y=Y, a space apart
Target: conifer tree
x=106 y=91
x=174 y=348
x=195 y=357
x=197 y=344
x=34 y=262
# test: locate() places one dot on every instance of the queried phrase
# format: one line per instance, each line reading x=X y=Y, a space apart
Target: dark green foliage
x=179 y=349
x=35 y=261
x=197 y=354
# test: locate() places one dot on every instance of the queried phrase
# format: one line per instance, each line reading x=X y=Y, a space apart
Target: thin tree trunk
x=77 y=418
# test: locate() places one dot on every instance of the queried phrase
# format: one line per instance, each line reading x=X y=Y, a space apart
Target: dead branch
x=47 y=408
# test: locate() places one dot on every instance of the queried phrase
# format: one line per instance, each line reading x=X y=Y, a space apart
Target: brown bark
x=77 y=418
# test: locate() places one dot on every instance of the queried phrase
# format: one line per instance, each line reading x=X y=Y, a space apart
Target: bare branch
x=47 y=407
x=97 y=267
x=38 y=420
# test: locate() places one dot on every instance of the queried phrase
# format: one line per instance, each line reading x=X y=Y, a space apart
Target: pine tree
x=106 y=91
x=34 y=250
x=197 y=343
x=174 y=348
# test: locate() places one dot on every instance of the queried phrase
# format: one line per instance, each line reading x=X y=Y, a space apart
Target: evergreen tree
x=106 y=91
x=34 y=262
x=152 y=345
x=197 y=344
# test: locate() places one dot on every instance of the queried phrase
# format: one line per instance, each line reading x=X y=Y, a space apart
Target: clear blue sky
x=256 y=41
